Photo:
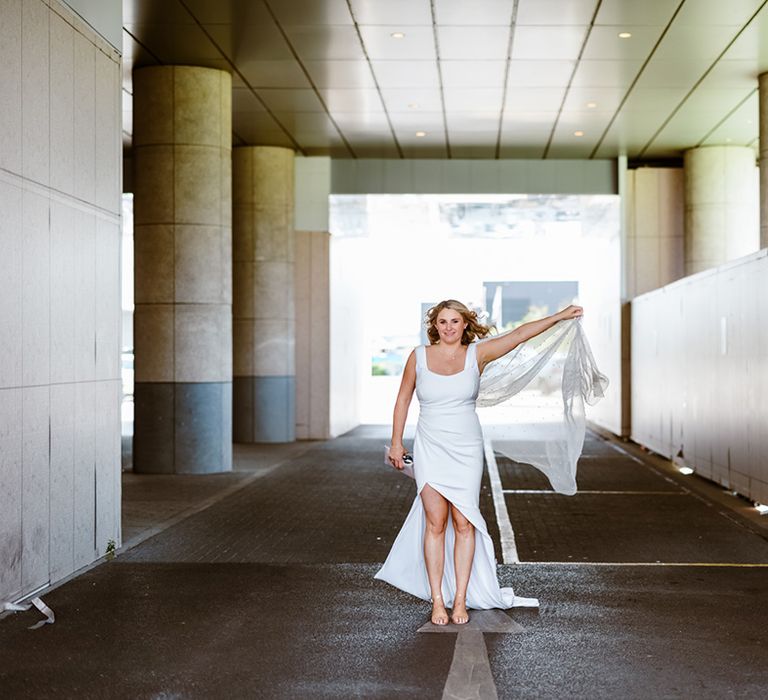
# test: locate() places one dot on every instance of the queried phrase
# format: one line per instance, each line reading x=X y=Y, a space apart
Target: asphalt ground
x=268 y=593
x=623 y=512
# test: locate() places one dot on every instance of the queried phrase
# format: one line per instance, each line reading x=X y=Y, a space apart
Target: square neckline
x=453 y=374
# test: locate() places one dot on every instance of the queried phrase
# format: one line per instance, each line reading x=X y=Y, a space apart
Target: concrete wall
x=350 y=354
x=700 y=373
x=373 y=176
x=655 y=229
x=105 y=16
x=312 y=282
x=317 y=178
x=722 y=205
x=600 y=293
x=653 y=251
x=59 y=295
x=312 y=298
x=312 y=187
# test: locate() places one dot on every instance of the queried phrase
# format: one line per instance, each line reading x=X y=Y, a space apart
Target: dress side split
x=448 y=455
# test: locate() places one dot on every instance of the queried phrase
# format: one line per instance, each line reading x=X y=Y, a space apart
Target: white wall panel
x=85 y=473
x=10 y=503
x=64 y=271
x=699 y=368
x=10 y=85
x=35 y=286
x=62 y=519
x=107 y=135
x=62 y=133
x=59 y=295
x=107 y=299
x=85 y=296
x=35 y=104
x=107 y=461
x=10 y=284
x=35 y=487
x=85 y=118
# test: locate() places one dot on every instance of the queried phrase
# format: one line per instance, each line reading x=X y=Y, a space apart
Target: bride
x=443 y=552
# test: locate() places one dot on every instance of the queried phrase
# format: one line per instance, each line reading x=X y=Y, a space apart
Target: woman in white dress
x=450 y=560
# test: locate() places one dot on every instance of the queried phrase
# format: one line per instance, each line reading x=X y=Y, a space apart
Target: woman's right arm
x=404 y=396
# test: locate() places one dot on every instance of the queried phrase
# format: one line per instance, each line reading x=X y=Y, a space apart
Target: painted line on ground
x=470 y=673
x=506 y=533
x=610 y=493
x=707 y=491
x=645 y=563
x=622 y=451
x=470 y=677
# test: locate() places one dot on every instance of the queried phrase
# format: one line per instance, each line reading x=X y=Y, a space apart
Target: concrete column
x=183 y=269
x=263 y=295
x=721 y=211
x=763 y=93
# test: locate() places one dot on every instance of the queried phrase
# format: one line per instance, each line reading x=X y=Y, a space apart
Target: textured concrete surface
x=263 y=307
x=623 y=513
x=153 y=502
x=182 y=161
x=264 y=408
x=268 y=593
x=187 y=427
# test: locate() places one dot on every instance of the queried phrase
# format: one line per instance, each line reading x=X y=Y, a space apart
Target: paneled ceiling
x=469 y=78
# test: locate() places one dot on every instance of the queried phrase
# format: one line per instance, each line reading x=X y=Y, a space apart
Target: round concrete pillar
x=721 y=210
x=763 y=93
x=263 y=295
x=182 y=145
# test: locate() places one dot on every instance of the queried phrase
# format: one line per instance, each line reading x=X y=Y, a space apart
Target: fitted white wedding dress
x=448 y=455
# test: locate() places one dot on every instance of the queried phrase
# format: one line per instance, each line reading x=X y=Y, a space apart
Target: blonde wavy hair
x=474 y=328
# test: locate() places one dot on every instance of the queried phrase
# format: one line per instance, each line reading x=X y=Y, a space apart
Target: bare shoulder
x=410 y=363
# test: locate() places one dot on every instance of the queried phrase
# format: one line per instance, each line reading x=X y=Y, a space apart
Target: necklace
x=452 y=357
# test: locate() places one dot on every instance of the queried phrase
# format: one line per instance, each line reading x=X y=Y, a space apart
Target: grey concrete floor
x=658 y=589
x=151 y=502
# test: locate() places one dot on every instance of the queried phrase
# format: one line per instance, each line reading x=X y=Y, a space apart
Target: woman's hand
x=570 y=312
x=396 y=454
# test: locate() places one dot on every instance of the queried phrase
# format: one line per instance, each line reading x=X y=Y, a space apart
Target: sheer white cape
x=546 y=427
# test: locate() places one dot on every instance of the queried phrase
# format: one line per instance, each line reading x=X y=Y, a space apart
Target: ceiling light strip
x=160 y=63
x=375 y=81
x=570 y=81
x=700 y=80
x=440 y=77
x=726 y=118
x=634 y=82
x=510 y=44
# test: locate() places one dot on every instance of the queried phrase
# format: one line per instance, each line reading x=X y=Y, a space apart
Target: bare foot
x=439 y=613
x=459 y=614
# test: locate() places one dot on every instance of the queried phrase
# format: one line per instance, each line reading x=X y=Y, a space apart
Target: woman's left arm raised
x=496 y=347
